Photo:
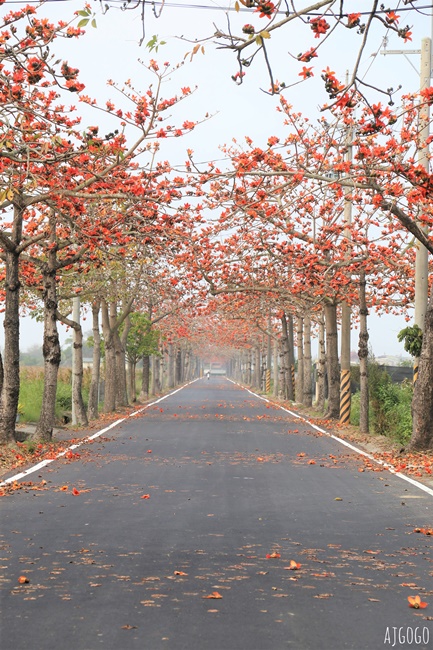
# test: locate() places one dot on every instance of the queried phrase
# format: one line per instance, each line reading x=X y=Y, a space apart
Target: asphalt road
x=167 y=544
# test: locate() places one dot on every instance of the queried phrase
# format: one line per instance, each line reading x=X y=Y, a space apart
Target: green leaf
x=83 y=22
x=93 y=23
x=412 y=337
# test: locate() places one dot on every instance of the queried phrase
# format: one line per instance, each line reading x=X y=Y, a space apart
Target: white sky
x=111 y=52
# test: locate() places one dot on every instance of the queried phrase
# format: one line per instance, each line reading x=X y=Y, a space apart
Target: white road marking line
x=341 y=441
x=44 y=463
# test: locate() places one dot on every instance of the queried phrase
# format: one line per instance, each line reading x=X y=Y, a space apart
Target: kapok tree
x=379 y=183
x=47 y=161
x=289 y=238
x=250 y=28
x=31 y=144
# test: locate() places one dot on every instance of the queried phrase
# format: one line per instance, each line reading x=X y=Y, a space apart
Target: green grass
x=389 y=410
x=31 y=399
x=31 y=391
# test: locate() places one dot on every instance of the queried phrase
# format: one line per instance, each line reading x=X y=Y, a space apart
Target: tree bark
x=115 y=361
x=9 y=395
x=282 y=384
x=248 y=369
x=121 y=392
x=110 y=361
x=131 y=367
x=1 y=373
x=153 y=375
x=145 y=378
x=307 y=399
x=178 y=366
x=186 y=366
x=170 y=363
x=291 y=360
x=422 y=403
x=257 y=368
x=275 y=369
x=363 y=357
x=51 y=351
x=300 y=349
x=333 y=368
x=78 y=373
x=321 y=367
x=157 y=370
x=92 y=407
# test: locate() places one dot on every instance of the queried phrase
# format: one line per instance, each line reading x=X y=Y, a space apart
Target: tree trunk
x=133 y=381
x=92 y=407
x=248 y=369
x=178 y=366
x=163 y=367
x=51 y=352
x=300 y=348
x=422 y=403
x=121 y=392
x=130 y=370
x=282 y=384
x=332 y=361
x=307 y=398
x=287 y=387
x=291 y=342
x=145 y=379
x=321 y=367
x=79 y=409
x=110 y=361
x=11 y=382
x=275 y=369
x=186 y=366
x=153 y=375
x=157 y=370
x=170 y=363
x=257 y=368
x=363 y=357
x=1 y=373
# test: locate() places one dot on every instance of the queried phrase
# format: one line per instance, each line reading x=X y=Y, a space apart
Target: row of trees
x=284 y=242
x=83 y=213
x=328 y=221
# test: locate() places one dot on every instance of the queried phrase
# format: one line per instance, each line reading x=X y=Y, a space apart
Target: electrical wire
x=123 y=4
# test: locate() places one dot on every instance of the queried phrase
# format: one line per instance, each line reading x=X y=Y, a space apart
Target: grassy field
x=31 y=389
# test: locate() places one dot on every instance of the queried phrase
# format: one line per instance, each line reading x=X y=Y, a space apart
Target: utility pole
x=421 y=263
x=346 y=312
x=269 y=356
x=76 y=304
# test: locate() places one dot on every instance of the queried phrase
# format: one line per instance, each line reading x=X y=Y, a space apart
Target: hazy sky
x=111 y=52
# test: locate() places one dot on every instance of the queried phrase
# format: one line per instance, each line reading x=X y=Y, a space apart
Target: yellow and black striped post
x=415 y=370
x=268 y=381
x=345 y=397
x=292 y=373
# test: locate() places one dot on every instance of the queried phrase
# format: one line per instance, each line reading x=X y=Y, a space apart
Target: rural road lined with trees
x=214 y=520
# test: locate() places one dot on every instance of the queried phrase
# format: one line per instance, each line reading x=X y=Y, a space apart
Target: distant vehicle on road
x=215 y=368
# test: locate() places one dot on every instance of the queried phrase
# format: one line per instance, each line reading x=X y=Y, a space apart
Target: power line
x=123 y=4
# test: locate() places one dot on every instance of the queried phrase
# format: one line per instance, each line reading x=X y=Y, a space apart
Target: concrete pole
x=421 y=266
x=421 y=262
x=345 y=394
x=76 y=305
